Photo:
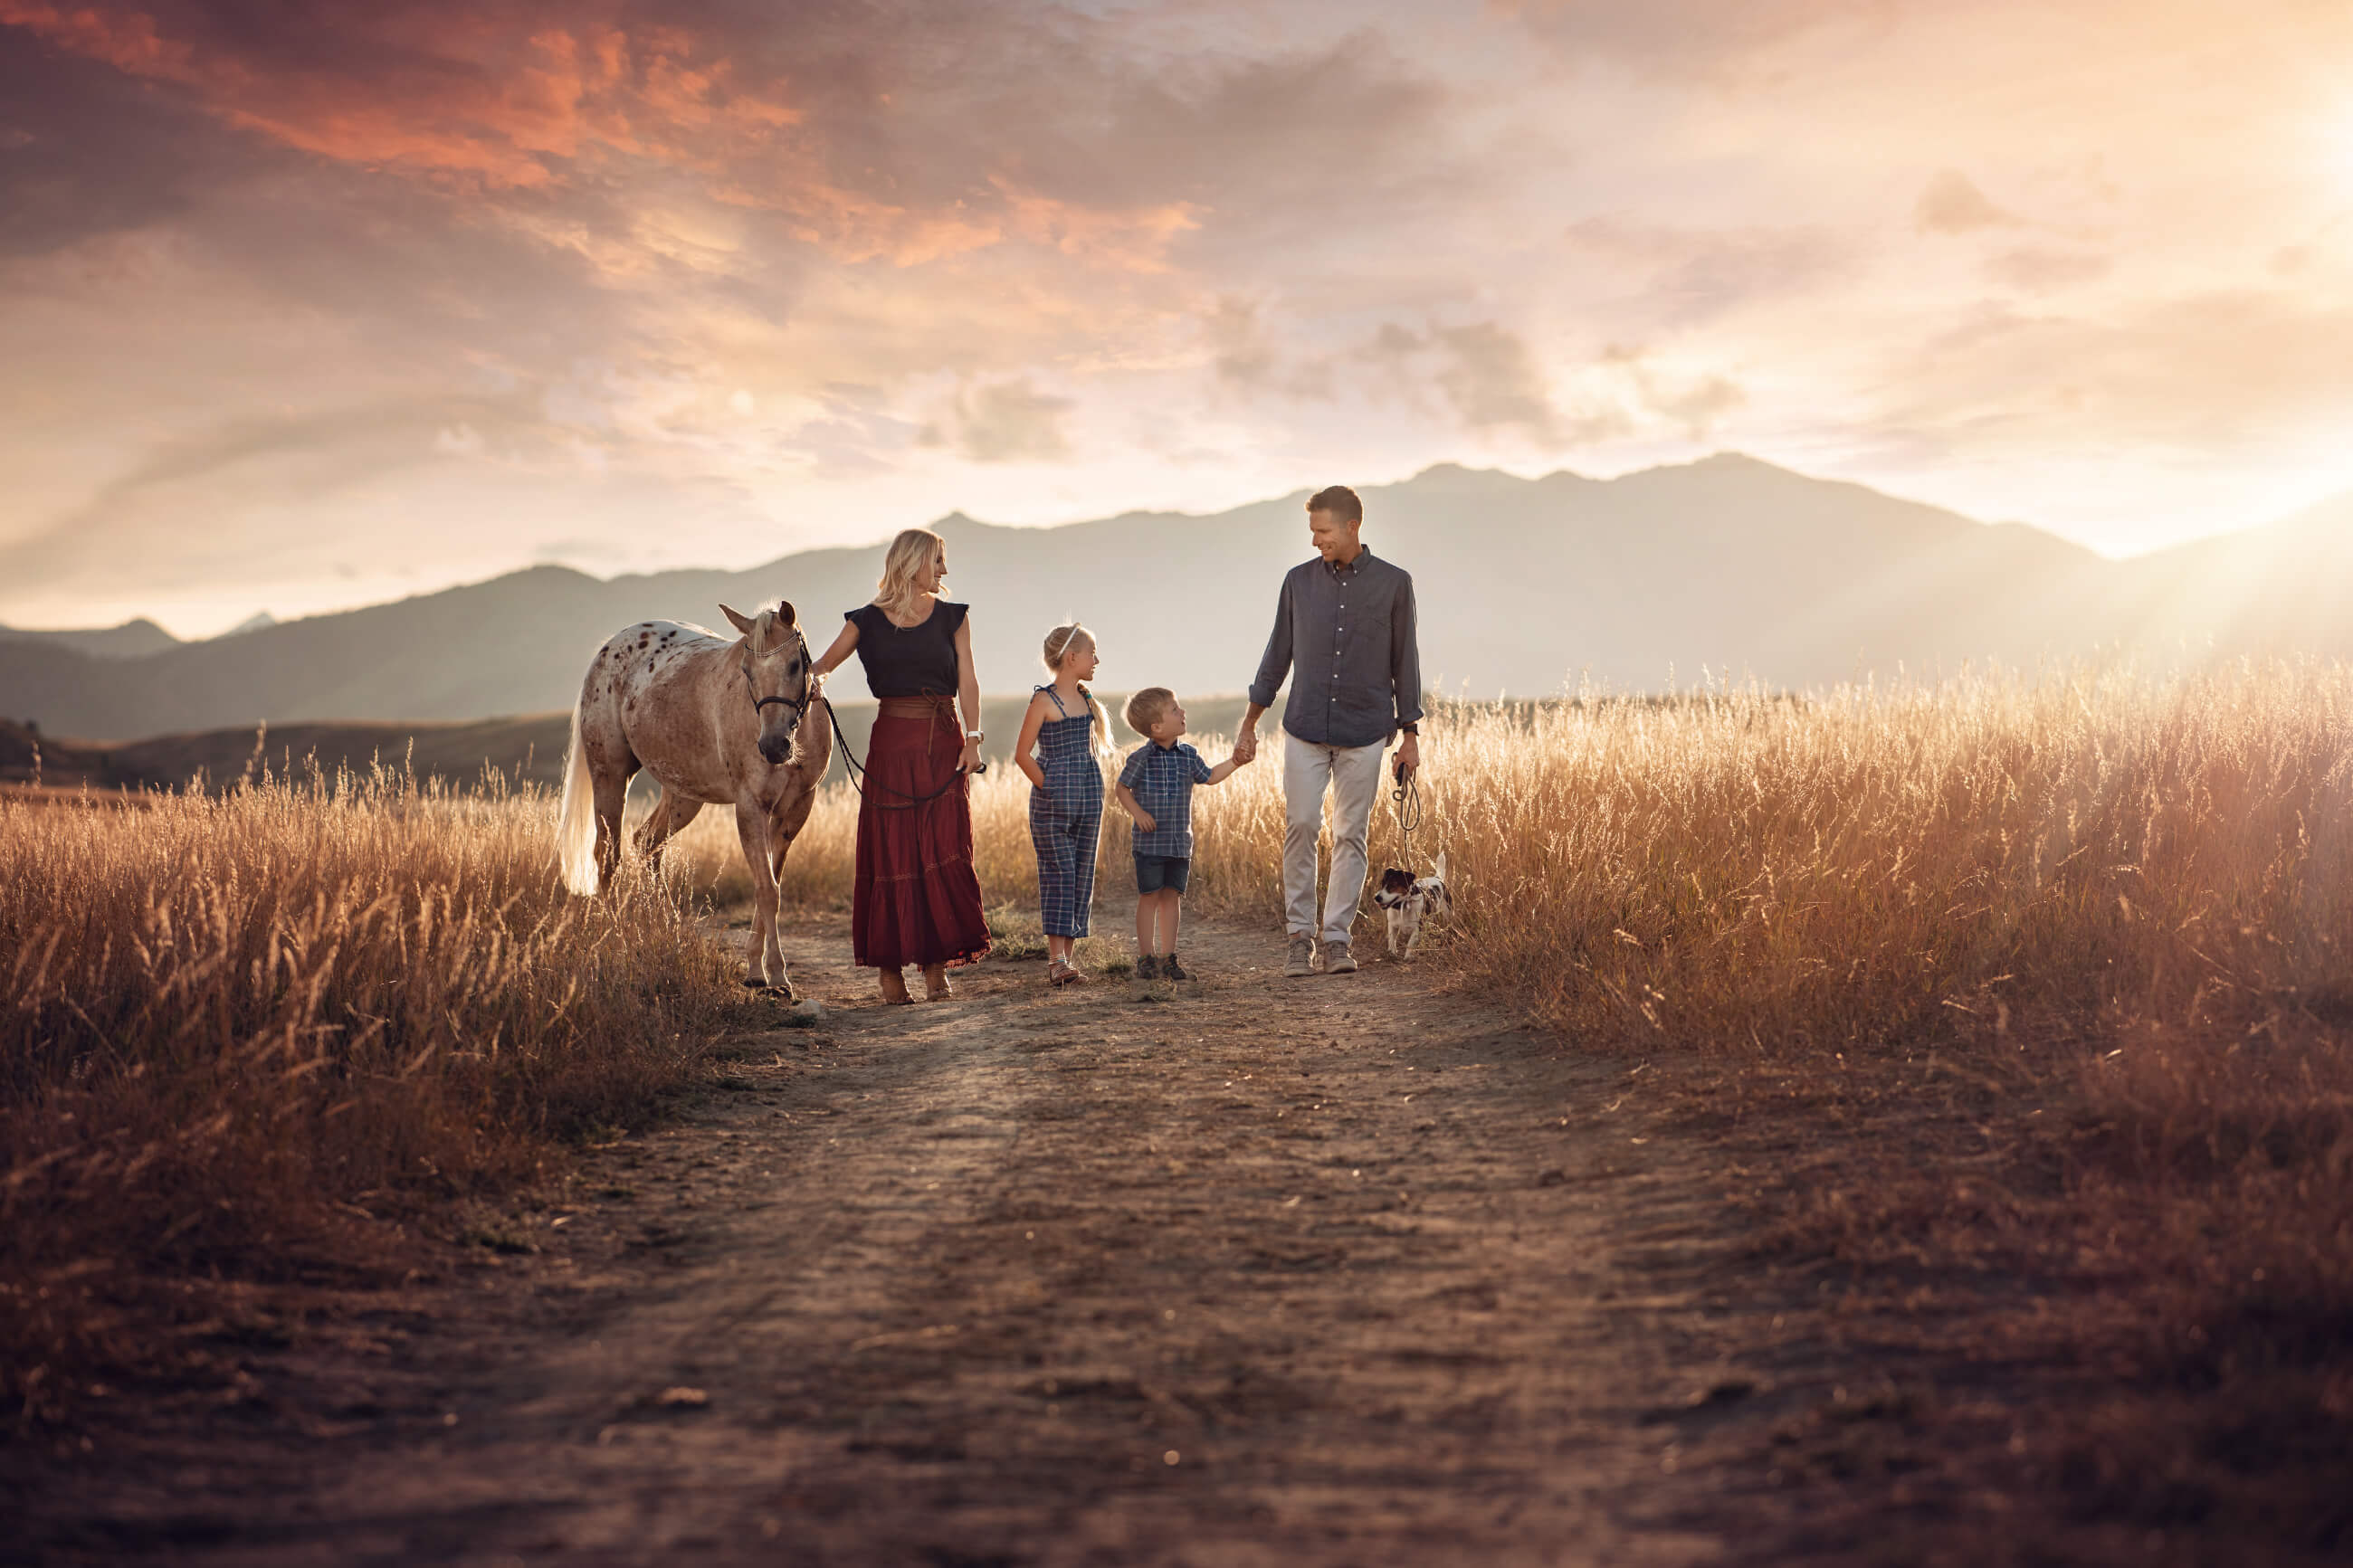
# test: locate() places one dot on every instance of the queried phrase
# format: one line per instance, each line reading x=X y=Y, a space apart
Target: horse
x=718 y=723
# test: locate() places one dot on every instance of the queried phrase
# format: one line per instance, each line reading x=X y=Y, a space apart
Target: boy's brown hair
x=1144 y=709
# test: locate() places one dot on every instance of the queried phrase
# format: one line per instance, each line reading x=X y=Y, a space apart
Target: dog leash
x=1406 y=798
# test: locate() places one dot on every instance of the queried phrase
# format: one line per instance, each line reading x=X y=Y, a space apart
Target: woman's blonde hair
x=1059 y=643
x=909 y=557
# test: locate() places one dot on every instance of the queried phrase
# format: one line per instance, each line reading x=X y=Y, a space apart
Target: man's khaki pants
x=1354 y=774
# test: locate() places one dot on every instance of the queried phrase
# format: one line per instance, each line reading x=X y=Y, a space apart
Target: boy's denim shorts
x=1153 y=872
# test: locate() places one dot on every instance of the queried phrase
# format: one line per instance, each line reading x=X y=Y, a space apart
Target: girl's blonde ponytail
x=1058 y=643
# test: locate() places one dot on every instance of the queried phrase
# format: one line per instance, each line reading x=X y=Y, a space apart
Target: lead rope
x=859 y=774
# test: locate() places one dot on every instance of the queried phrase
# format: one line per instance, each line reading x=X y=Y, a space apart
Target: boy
x=1155 y=790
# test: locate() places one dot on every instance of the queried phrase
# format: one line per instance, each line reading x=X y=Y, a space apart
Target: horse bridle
x=809 y=683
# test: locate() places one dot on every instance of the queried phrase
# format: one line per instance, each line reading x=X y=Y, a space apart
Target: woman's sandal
x=935 y=985
x=894 y=989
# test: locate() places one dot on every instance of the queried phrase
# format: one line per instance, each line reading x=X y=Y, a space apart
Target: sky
x=304 y=306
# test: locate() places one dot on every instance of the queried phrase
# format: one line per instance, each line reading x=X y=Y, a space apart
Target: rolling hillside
x=1525 y=585
x=129 y=640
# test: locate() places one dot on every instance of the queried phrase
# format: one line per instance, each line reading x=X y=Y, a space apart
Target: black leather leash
x=1407 y=800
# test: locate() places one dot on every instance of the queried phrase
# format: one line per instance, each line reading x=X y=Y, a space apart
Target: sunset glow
x=306 y=309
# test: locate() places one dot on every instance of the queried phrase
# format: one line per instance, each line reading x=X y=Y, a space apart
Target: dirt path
x=1327 y=1271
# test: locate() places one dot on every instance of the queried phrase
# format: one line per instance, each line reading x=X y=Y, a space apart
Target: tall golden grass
x=2047 y=979
x=2102 y=925
x=1739 y=872
x=1852 y=873
x=235 y=1029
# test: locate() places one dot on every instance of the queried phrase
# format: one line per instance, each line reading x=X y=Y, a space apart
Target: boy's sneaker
x=1169 y=968
x=1301 y=959
x=1337 y=959
x=1147 y=967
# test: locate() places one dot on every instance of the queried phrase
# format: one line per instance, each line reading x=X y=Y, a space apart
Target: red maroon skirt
x=917 y=897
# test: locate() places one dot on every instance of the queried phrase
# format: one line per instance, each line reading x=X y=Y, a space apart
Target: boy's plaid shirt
x=1162 y=778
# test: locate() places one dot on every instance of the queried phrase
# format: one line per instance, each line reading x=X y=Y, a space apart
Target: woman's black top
x=908 y=661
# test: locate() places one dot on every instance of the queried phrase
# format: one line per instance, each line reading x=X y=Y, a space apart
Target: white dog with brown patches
x=1410 y=899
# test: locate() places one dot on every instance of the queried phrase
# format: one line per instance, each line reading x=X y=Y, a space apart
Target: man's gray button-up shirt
x=1371 y=683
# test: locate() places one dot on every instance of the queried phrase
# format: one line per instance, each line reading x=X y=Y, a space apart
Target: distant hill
x=527 y=749
x=1726 y=564
x=128 y=640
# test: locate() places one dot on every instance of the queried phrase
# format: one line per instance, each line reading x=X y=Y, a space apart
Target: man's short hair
x=1146 y=707
x=1340 y=501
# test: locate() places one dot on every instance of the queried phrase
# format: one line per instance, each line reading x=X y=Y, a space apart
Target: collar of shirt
x=1348 y=569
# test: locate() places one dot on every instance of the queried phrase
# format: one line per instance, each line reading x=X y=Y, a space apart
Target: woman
x=917 y=899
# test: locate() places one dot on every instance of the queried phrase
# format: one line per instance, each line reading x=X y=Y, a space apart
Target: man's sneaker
x=1147 y=967
x=1170 y=970
x=1337 y=959
x=1302 y=957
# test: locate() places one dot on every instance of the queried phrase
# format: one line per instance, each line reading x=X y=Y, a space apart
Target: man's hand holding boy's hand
x=1246 y=744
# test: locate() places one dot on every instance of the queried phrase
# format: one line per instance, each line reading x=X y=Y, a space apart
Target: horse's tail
x=576 y=819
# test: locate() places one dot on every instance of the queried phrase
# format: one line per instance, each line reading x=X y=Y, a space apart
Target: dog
x=1410 y=899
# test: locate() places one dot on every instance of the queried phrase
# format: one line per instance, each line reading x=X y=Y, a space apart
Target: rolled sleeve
x=1405 y=655
x=1276 y=662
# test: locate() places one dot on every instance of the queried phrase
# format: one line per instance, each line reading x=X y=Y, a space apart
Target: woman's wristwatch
x=972 y=737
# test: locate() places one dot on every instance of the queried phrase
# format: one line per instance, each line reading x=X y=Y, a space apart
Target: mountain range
x=1727 y=565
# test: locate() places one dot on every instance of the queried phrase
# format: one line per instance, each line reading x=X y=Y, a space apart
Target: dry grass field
x=246 y=1038
x=2022 y=1008
x=2019 y=1011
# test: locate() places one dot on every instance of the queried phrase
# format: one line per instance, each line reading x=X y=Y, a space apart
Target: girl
x=1065 y=726
x=917 y=899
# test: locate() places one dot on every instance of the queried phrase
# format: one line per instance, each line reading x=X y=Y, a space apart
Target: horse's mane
x=764 y=636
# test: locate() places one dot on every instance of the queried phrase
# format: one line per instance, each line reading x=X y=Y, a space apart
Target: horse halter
x=809 y=682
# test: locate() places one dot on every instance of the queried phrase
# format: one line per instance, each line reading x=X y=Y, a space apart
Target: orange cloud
x=855 y=227
x=453 y=93
x=1133 y=239
x=514 y=104
x=129 y=43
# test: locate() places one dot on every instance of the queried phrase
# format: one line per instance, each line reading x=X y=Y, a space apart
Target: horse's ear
x=739 y=623
x=784 y=612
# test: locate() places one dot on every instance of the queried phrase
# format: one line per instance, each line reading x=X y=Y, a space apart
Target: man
x=1343 y=629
